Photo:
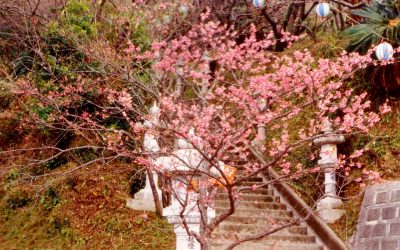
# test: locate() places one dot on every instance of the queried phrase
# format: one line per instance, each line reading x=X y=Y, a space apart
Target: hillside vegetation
x=76 y=200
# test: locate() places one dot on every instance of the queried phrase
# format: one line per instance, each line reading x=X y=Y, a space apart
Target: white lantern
x=183 y=9
x=322 y=9
x=259 y=3
x=384 y=51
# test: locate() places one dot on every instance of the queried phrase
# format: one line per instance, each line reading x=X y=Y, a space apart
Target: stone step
x=253 y=178
x=250 y=190
x=227 y=227
x=257 y=211
x=241 y=172
x=259 y=191
x=251 y=183
x=252 y=204
x=257 y=220
x=267 y=246
x=248 y=197
x=277 y=239
x=266 y=213
x=239 y=165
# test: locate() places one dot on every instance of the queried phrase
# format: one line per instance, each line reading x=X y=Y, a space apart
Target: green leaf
x=370 y=15
x=375 y=25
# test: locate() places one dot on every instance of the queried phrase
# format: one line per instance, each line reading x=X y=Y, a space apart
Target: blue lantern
x=322 y=9
x=259 y=3
x=384 y=51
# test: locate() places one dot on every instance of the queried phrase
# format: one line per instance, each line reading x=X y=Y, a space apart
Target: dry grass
x=83 y=211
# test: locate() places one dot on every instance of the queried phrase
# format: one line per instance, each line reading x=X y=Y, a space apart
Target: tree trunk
x=203 y=211
x=342 y=22
x=337 y=20
x=155 y=195
x=292 y=19
x=100 y=10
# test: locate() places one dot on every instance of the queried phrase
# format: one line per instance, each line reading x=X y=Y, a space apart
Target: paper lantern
x=322 y=9
x=183 y=9
x=384 y=51
x=259 y=3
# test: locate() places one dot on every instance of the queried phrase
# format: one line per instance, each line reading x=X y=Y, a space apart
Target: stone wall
x=379 y=222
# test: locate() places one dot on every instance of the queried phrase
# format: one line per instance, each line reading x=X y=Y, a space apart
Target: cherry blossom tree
x=236 y=103
x=249 y=87
x=278 y=16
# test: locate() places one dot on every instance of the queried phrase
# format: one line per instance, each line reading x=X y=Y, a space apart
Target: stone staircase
x=256 y=212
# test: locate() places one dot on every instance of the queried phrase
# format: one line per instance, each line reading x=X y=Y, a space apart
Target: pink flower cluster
x=298 y=90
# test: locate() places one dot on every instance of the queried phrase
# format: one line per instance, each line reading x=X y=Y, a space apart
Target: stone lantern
x=327 y=207
x=184 y=166
x=260 y=138
x=144 y=199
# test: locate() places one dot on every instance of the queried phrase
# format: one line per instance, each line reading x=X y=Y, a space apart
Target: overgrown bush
x=18 y=199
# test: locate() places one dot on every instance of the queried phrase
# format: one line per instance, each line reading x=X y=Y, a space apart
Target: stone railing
x=318 y=226
x=327 y=207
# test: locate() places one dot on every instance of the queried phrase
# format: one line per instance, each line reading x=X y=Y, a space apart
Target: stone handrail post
x=328 y=205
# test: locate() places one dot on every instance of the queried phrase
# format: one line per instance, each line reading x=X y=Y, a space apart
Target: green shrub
x=54 y=163
x=18 y=199
x=380 y=20
x=12 y=175
x=78 y=19
x=23 y=63
x=50 y=199
x=58 y=226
